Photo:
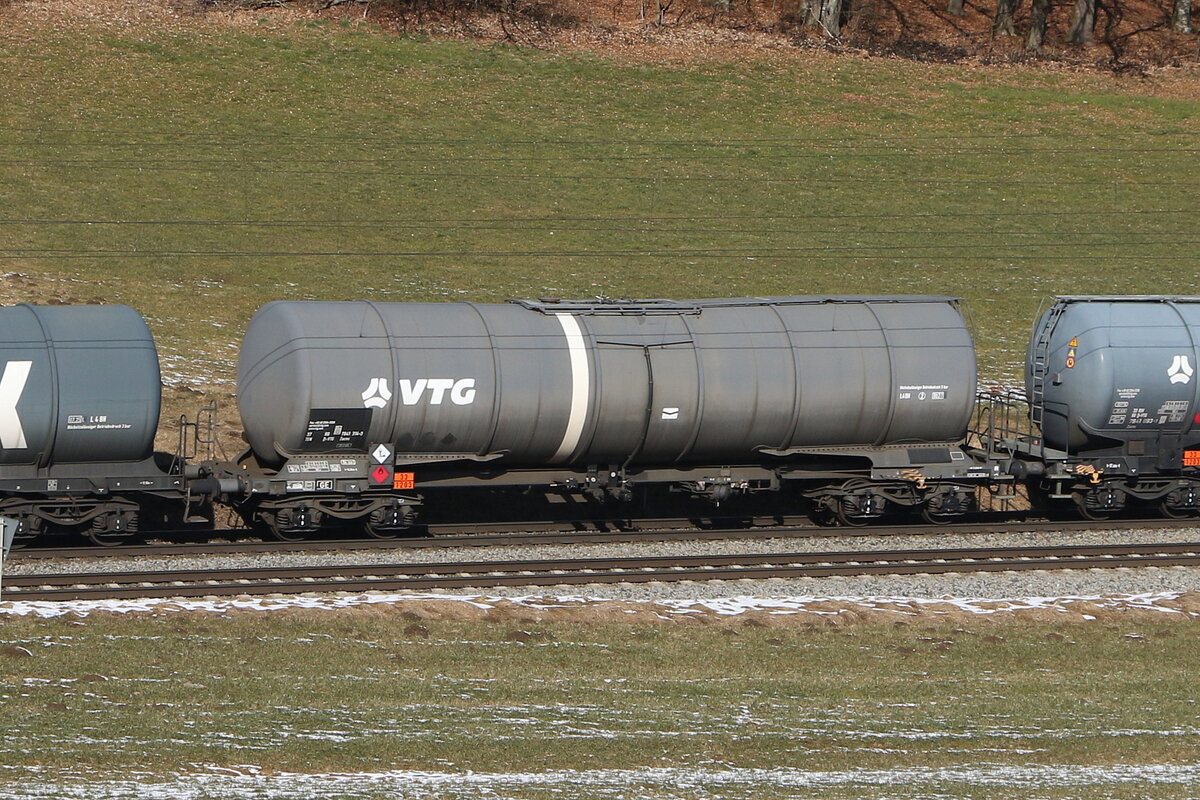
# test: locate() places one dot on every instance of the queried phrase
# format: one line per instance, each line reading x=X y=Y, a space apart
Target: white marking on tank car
x=1180 y=370
x=462 y=390
x=581 y=387
x=377 y=393
x=12 y=385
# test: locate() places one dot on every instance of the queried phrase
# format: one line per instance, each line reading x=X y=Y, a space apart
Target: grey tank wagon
x=79 y=406
x=1112 y=390
x=365 y=411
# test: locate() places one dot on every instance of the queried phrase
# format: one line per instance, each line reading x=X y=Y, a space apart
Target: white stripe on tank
x=581 y=387
x=12 y=385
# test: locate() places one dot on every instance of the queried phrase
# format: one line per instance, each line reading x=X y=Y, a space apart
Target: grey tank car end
x=1112 y=388
x=80 y=395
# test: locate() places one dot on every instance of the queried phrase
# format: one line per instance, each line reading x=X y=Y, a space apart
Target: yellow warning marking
x=1074 y=342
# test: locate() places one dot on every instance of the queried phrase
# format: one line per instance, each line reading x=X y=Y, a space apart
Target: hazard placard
x=381 y=475
x=404 y=480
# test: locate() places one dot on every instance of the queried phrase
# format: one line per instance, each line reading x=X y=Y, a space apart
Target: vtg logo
x=377 y=393
x=460 y=390
x=1180 y=370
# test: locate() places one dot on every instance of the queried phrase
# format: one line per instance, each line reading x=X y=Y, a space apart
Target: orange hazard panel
x=1191 y=458
x=408 y=480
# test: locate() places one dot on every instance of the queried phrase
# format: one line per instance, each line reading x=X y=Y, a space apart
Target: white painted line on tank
x=581 y=387
x=12 y=385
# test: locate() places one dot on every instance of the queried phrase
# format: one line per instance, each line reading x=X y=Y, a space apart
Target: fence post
x=10 y=526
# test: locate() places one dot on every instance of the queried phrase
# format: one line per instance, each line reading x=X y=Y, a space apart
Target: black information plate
x=332 y=429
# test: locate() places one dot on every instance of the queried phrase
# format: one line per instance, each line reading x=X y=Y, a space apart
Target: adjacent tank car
x=79 y=408
x=1113 y=392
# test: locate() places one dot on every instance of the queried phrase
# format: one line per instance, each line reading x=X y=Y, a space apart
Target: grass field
x=199 y=171
x=536 y=710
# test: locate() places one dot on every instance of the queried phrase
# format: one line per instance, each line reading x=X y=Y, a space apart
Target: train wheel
x=859 y=505
x=110 y=530
x=286 y=535
x=1098 y=504
x=1172 y=507
x=107 y=538
x=282 y=525
x=848 y=514
x=1181 y=503
x=380 y=531
x=942 y=508
x=1171 y=512
x=389 y=522
x=1094 y=514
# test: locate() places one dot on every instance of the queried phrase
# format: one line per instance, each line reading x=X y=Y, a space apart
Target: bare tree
x=955 y=7
x=1037 y=25
x=1083 y=22
x=1002 y=23
x=1181 y=16
x=827 y=15
x=663 y=7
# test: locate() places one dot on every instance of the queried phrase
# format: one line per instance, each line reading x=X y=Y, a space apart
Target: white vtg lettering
x=461 y=391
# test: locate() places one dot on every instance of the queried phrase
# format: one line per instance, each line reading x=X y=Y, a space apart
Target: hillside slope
x=1123 y=35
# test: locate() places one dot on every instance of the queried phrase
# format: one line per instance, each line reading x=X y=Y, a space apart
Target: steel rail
x=483 y=574
x=483 y=540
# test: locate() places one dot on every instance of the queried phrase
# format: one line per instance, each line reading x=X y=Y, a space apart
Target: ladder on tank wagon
x=1040 y=367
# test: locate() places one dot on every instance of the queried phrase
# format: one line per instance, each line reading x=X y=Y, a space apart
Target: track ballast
x=575 y=572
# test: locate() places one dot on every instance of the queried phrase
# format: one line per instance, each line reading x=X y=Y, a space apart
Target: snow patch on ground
x=245 y=782
x=1163 y=602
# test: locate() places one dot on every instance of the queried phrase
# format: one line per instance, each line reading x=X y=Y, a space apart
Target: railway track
x=485 y=574
x=560 y=537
